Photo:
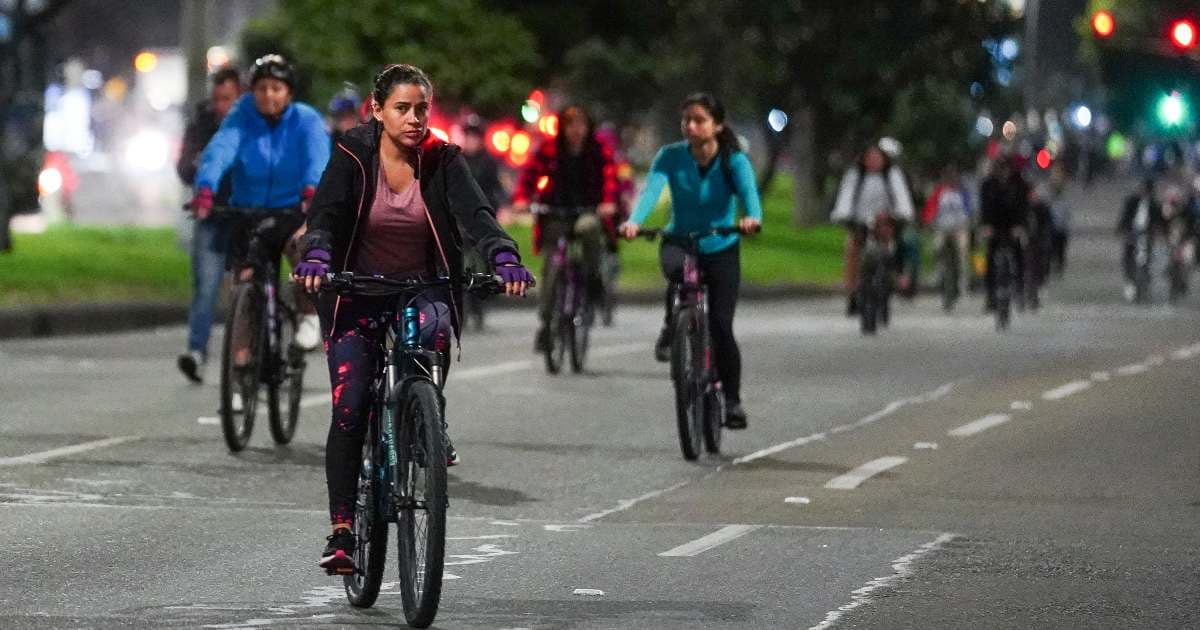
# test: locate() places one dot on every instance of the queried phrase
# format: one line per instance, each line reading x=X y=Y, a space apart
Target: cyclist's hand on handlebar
x=202 y=203
x=516 y=277
x=629 y=230
x=606 y=210
x=749 y=225
x=314 y=268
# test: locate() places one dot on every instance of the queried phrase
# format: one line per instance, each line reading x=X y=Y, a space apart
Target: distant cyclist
x=344 y=110
x=210 y=237
x=1004 y=218
x=276 y=150
x=949 y=210
x=393 y=202
x=573 y=171
x=870 y=189
x=707 y=174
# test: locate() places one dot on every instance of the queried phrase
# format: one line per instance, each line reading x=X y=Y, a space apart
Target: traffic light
x=1103 y=24
x=1183 y=34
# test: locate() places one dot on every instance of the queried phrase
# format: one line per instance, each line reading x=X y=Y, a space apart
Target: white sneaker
x=308 y=333
x=236 y=403
x=1130 y=292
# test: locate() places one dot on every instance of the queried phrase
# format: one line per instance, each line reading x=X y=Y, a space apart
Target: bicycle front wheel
x=240 y=384
x=689 y=395
x=421 y=514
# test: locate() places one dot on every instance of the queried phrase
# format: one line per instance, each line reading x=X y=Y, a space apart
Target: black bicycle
x=573 y=313
x=876 y=268
x=699 y=399
x=403 y=474
x=1015 y=279
x=261 y=326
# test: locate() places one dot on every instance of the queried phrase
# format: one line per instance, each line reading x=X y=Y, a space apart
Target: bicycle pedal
x=340 y=571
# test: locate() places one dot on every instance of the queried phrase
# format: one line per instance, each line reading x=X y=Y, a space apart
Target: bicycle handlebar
x=349 y=283
x=654 y=233
x=569 y=212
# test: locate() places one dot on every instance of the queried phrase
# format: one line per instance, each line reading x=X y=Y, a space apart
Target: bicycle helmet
x=275 y=67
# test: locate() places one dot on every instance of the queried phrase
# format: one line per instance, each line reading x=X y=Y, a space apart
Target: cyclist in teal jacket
x=707 y=173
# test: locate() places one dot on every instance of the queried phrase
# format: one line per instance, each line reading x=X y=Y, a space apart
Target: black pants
x=1018 y=258
x=722 y=274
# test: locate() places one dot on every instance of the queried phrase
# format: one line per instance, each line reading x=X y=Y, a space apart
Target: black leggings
x=722 y=273
x=355 y=351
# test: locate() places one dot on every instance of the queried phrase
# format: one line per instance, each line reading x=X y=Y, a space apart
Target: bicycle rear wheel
x=421 y=515
x=288 y=380
x=949 y=277
x=370 y=529
x=244 y=313
x=689 y=395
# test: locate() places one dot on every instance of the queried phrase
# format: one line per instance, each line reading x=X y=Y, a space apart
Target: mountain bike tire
x=689 y=399
x=422 y=474
x=370 y=529
x=236 y=426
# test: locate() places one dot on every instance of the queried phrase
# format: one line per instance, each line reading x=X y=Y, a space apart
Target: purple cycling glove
x=316 y=263
x=510 y=269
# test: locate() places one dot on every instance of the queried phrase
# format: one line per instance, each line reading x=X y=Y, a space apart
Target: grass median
x=90 y=264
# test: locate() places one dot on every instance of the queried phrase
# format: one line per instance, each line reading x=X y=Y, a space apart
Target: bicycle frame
x=691 y=299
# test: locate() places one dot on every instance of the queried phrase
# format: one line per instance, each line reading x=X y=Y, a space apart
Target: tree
x=475 y=56
x=22 y=82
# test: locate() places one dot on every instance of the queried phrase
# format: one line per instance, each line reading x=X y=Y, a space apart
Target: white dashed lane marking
x=715 y=539
x=854 y=478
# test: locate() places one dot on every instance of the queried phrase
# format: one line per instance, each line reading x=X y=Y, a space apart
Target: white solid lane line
x=1059 y=393
x=980 y=425
x=852 y=479
x=715 y=539
x=1183 y=354
x=44 y=456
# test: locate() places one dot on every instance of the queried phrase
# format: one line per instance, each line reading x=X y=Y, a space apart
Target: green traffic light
x=1172 y=110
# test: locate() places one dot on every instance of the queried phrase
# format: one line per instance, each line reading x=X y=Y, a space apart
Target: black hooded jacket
x=458 y=210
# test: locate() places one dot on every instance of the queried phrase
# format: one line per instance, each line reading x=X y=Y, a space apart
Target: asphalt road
x=941 y=475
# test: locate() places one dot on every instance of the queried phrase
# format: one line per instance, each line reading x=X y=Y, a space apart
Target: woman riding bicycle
x=574 y=171
x=276 y=150
x=391 y=203
x=707 y=173
x=872 y=188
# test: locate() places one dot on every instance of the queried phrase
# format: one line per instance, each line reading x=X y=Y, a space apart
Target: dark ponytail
x=727 y=140
x=399 y=74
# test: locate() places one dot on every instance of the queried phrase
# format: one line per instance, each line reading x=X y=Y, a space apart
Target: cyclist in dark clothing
x=574 y=171
x=210 y=236
x=1004 y=214
x=394 y=201
x=1142 y=213
x=486 y=170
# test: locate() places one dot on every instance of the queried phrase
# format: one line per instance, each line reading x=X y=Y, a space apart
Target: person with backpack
x=871 y=189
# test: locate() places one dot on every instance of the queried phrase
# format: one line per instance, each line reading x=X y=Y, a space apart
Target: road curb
x=78 y=319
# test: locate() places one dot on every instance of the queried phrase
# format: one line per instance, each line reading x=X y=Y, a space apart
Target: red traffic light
x=1183 y=34
x=1103 y=24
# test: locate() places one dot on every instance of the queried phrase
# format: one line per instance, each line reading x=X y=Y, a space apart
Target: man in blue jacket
x=275 y=150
